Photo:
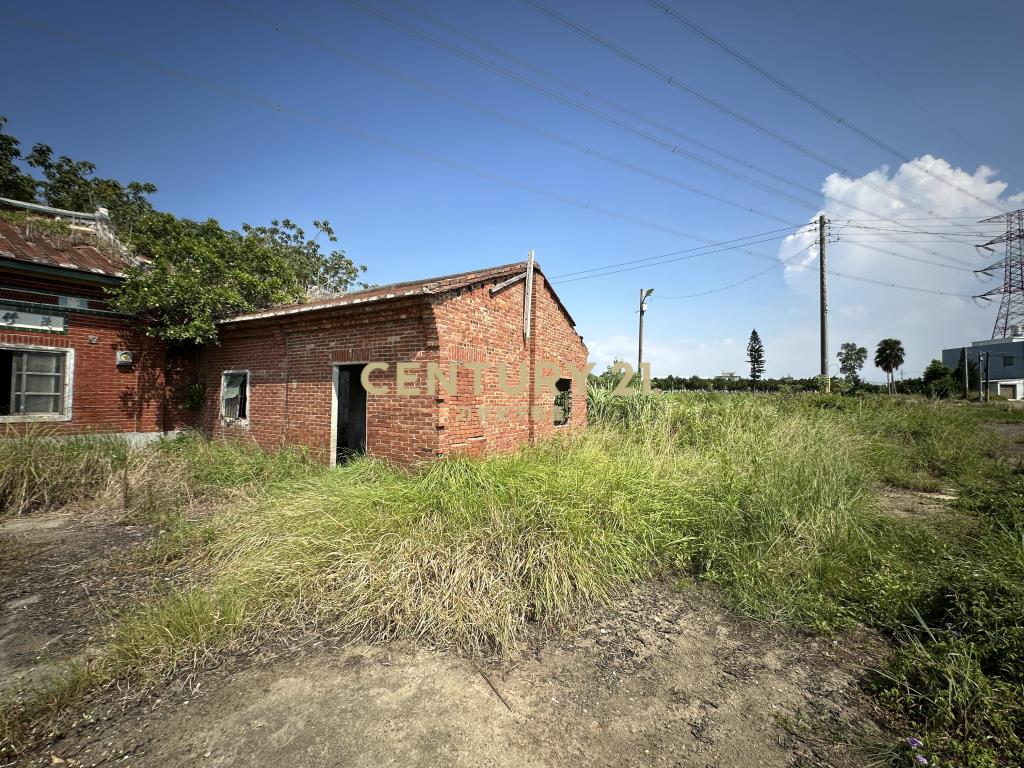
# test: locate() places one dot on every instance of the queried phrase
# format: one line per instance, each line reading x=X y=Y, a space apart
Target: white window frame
x=69 y=377
x=225 y=420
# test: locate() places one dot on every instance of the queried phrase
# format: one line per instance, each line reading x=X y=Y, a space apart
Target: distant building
x=1003 y=359
x=728 y=376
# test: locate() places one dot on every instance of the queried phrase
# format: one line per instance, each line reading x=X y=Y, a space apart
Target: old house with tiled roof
x=476 y=362
x=67 y=360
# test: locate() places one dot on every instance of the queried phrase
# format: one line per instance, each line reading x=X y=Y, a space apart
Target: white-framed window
x=35 y=383
x=234 y=396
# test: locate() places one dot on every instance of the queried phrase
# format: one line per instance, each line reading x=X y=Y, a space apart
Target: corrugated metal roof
x=432 y=285
x=41 y=250
x=428 y=286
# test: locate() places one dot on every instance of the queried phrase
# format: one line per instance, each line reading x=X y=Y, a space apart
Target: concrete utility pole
x=823 y=302
x=967 y=378
x=644 y=293
x=988 y=363
x=981 y=377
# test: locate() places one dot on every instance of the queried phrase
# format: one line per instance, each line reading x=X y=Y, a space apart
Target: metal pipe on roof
x=37 y=208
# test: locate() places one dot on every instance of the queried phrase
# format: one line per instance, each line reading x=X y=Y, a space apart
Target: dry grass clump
x=40 y=469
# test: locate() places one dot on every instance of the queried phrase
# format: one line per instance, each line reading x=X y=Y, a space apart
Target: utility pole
x=967 y=378
x=644 y=293
x=981 y=377
x=823 y=302
x=988 y=363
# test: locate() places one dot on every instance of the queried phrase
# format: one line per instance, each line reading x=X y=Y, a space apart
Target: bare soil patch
x=662 y=678
x=1013 y=436
x=61 y=574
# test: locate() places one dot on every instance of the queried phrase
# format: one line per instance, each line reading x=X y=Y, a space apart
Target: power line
x=678 y=84
x=782 y=263
x=631 y=129
x=93 y=45
x=862 y=244
x=487 y=111
x=811 y=22
x=688 y=251
x=809 y=101
x=568 y=101
x=341 y=127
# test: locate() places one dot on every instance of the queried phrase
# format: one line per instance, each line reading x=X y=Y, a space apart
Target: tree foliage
x=851 y=360
x=192 y=273
x=938 y=380
x=889 y=355
x=14 y=182
x=755 y=356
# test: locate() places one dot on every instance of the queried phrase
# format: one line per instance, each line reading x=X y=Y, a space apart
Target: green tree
x=938 y=380
x=755 y=356
x=192 y=273
x=610 y=378
x=851 y=361
x=199 y=272
x=973 y=374
x=14 y=183
x=889 y=355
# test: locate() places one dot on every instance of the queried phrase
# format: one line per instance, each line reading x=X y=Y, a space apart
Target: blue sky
x=251 y=112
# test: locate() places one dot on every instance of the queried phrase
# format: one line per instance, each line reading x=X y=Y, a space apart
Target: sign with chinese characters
x=14 y=317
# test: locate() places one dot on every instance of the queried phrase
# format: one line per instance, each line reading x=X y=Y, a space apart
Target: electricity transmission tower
x=1011 y=305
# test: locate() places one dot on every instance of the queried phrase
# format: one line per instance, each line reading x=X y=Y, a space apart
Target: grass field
x=777 y=501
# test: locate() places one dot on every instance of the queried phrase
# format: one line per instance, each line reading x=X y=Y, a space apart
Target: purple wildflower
x=915 y=742
x=921 y=760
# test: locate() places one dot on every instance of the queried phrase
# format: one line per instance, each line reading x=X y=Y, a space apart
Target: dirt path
x=663 y=679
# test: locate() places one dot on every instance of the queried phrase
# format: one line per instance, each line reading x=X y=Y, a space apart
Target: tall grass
x=39 y=469
x=773 y=499
x=755 y=494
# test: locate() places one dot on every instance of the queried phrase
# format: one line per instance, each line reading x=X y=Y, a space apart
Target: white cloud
x=866 y=312
x=860 y=311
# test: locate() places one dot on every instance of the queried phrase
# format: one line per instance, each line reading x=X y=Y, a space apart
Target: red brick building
x=477 y=362
x=465 y=363
x=66 y=360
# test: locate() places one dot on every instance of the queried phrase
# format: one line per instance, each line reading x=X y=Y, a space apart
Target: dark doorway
x=6 y=367
x=351 y=420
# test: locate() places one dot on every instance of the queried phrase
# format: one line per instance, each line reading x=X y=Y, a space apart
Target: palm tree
x=889 y=356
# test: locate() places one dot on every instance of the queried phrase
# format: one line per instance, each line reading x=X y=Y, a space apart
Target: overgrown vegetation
x=776 y=500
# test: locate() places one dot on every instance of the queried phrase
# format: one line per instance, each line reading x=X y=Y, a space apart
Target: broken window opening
x=234 y=397
x=563 y=402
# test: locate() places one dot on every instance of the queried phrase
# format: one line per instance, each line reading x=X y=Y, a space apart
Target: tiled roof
x=431 y=285
x=44 y=251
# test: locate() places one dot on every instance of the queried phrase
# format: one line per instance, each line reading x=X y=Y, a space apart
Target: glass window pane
x=42 y=383
x=44 y=362
x=41 y=404
x=234 y=384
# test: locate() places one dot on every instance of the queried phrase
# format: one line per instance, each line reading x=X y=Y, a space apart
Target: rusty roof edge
x=429 y=287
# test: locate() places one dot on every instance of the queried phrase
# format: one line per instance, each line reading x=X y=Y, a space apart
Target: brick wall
x=104 y=397
x=475 y=326
x=290 y=362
